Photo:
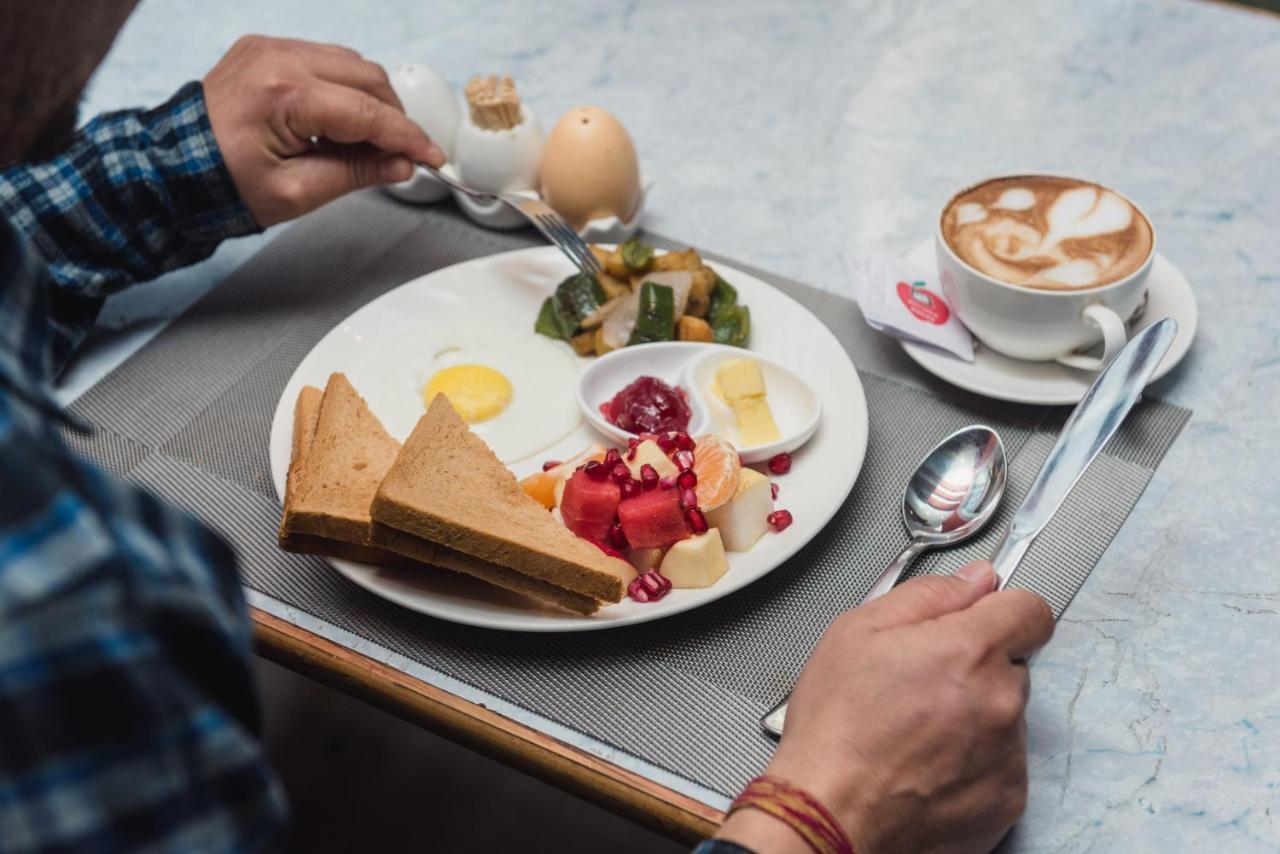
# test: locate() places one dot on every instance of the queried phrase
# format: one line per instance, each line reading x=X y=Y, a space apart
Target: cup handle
x=1114 y=336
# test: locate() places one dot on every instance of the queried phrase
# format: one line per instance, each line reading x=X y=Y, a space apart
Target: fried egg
x=516 y=389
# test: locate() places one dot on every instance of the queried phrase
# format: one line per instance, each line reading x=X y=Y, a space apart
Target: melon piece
x=696 y=562
x=653 y=519
x=745 y=519
x=590 y=506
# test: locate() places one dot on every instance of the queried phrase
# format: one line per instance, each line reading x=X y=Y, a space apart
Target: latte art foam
x=1047 y=232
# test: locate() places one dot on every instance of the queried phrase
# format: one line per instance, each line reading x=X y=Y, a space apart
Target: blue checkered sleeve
x=128 y=715
x=138 y=193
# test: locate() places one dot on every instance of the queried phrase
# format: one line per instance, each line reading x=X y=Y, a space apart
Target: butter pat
x=755 y=421
x=696 y=562
x=740 y=383
x=739 y=378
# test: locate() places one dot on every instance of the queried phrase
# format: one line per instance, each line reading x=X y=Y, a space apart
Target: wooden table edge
x=474 y=726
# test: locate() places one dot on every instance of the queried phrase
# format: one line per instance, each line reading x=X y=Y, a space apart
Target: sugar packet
x=904 y=300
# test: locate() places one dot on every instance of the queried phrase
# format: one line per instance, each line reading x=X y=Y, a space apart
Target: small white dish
x=796 y=407
x=998 y=376
x=610 y=373
x=692 y=367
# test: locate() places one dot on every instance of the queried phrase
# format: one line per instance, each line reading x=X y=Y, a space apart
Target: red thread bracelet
x=797 y=809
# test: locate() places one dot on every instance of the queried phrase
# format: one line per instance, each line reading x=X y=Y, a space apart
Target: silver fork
x=538 y=212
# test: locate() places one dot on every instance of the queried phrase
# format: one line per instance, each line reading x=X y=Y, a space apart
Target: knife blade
x=1091 y=425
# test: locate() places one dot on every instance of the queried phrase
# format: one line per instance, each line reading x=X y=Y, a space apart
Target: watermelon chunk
x=589 y=506
x=653 y=519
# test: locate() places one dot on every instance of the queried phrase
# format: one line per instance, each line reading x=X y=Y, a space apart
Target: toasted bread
x=420 y=550
x=325 y=494
x=447 y=487
x=348 y=455
x=315 y=487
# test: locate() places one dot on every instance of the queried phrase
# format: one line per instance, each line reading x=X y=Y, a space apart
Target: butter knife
x=1095 y=420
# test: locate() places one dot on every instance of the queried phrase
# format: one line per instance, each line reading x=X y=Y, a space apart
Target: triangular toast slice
x=325 y=509
x=449 y=488
x=327 y=496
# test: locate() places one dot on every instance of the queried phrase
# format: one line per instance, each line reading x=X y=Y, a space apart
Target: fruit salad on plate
x=671 y=504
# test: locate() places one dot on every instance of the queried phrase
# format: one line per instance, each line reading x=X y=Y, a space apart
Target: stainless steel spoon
x=954 y=492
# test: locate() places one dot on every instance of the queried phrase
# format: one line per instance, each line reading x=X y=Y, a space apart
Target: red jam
x=648 y=405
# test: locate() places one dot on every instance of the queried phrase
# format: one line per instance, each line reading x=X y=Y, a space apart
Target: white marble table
x=798 y=137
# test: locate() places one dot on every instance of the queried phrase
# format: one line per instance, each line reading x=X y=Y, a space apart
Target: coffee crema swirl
x=1049 y=233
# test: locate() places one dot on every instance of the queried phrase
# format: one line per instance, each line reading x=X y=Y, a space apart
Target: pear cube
x=696 y=562
x=745 y=519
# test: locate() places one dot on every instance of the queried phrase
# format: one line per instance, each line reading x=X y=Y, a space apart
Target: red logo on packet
x=923 y=303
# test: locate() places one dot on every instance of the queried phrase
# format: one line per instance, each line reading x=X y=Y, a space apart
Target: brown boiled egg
x=589 y=168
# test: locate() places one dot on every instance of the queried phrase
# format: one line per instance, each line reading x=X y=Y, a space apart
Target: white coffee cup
x=1038 y=324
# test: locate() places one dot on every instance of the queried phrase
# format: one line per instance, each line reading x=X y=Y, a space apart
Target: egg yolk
x=477 y=392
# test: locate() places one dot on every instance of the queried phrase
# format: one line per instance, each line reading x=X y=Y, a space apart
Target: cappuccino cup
x=1040 y=267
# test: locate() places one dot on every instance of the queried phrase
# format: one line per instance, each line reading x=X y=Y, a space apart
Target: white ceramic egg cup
x=796 y=407
x=494 y=214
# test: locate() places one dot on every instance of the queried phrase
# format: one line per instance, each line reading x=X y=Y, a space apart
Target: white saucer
x=1049 y=383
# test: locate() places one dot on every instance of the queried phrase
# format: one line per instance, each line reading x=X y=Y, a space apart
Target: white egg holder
x=503 y=161
x=423 y=188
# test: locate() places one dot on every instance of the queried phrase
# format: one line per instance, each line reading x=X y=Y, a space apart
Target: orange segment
x=717 y=466
x=541 y=485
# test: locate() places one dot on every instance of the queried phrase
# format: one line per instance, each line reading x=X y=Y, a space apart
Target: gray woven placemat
x=188 y=417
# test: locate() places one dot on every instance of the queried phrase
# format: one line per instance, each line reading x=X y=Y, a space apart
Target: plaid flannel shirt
x=127 y=709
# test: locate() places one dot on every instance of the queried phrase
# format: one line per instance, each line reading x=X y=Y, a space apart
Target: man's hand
x=908 y=720
x=268 y=99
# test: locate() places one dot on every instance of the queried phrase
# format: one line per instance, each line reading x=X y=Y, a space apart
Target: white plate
x=1049 y=383
x=511 y=287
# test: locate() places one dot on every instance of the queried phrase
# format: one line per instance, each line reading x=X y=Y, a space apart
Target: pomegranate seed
x=696 y=520
x=773 y=487
x=633 y=442
x=612 y=458
x=780 y=519
x=620 y=473
x=596 y=470
x=649 y=587
x=684 y=460
x=648 y=476
x=617 y=538
x=687 y=479
x=666 y=443
x=780 y=463
x=610 y=550
x=667 y=483
x=551 y=464
x=631 y=454
x=684 y=441
x=688 y=499
x=630 y=488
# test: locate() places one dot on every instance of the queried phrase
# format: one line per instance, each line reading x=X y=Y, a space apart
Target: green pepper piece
x=730 y=322
x=575 y=299
x=547 y=323
x=732 y=326
x=656 y=320
x=636 y=255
